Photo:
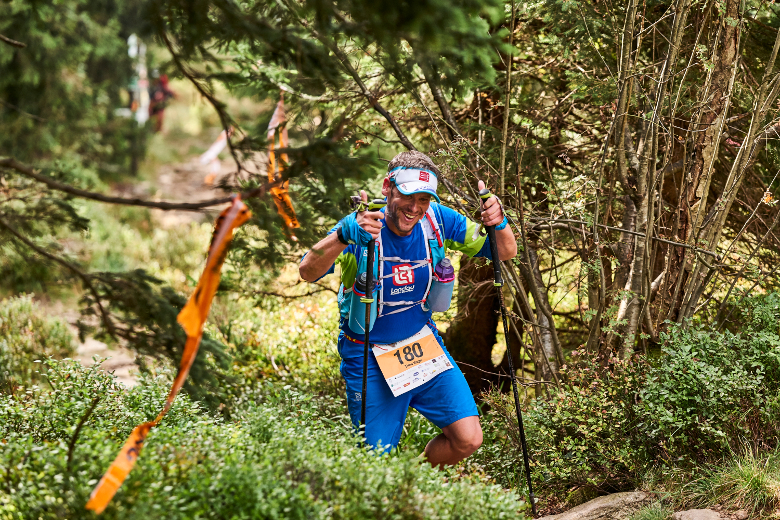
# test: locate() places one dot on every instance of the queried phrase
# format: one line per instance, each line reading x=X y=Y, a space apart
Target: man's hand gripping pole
x=361 y=205
x=499 y=283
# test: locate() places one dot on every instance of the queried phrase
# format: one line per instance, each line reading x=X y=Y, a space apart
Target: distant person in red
x=159 y=94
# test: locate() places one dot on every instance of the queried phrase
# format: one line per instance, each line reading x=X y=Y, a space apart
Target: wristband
x=502 y=225
x=352 y=233
x=340 y=236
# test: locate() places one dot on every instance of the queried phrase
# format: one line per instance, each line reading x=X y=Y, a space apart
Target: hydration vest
x=433 y=233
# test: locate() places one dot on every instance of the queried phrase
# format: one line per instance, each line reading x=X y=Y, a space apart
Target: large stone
x=617 y=506
x=697 y=514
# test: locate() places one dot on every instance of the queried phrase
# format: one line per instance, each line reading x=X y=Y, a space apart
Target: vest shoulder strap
x=431 y=227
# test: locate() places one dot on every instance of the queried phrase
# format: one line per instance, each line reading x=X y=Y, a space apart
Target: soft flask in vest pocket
x=443 y=283
x=357 y=309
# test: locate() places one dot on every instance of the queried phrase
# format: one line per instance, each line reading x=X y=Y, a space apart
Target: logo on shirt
x=403 y=274
x=424 y=176
x=401 y=290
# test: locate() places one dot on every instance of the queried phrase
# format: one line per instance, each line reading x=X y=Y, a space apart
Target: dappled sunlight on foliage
x=278 y=456
x=26 y=339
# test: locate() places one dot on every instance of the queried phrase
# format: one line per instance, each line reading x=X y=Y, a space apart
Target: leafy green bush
x=702 y=399
x=26 y=335
x=290 y=343
x=46 y=415
x=711 y=391
x=278 y=457
x=126 y=238
x=584 y=435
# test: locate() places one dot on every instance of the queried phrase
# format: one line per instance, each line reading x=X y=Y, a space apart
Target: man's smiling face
x=403 y=211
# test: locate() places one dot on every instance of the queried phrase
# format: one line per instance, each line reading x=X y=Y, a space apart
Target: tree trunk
x=471 y=337
x=548 y=355
x=715 y=99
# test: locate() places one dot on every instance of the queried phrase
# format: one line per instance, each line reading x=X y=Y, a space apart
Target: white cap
x=411 y=180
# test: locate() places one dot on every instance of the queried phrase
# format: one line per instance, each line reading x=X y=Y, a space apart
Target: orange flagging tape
x=280 y=194
x=192 y=318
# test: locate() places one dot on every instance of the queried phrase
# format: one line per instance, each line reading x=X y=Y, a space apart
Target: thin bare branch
x=10 y=162
x=12 y=43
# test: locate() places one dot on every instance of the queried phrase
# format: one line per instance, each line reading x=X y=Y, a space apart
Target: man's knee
x=469 y=441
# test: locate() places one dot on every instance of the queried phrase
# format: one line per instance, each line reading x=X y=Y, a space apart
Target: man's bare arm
x=507 y=245
x=492 y=215
x=317 y=261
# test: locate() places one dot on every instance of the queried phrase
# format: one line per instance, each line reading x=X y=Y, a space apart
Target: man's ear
x=387 y=187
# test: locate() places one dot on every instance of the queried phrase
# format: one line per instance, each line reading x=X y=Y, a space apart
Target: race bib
x=409 y=363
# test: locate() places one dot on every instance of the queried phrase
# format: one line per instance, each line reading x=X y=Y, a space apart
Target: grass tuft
x=745 y=481
x=655 y=511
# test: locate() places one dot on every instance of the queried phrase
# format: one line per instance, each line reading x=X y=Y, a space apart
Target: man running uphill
x=408 y=364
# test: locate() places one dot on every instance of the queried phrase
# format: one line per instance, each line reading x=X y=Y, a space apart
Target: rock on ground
x=697 y=514
x=617 y=506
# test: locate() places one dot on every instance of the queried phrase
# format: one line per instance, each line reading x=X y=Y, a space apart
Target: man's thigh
x=385 y=414
x=446 y=398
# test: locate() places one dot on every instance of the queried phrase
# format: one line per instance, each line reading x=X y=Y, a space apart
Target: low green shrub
x=711 y=391
x=277 y=457
x=126 y=238
x=292 y=343
x=19 y=275
x=27 y=335
x=708 y=393
x=583 y=436
x=43 y=415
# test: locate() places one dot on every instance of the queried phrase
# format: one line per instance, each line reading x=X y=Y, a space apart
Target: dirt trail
x=189 y=181
x=120 y=362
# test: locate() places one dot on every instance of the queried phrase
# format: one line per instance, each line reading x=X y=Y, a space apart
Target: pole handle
x=359 y=204
x=491 y=232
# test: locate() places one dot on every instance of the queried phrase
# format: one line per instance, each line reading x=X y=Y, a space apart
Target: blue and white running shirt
x=404 y=285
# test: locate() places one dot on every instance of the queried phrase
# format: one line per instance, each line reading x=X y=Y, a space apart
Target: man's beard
x=393 y=216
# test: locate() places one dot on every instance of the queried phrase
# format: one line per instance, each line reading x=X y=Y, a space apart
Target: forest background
x=633 y=145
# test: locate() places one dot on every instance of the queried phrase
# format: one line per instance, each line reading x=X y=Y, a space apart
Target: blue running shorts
x=443 y=400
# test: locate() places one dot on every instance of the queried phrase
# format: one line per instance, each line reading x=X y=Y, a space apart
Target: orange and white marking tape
x=192 y=318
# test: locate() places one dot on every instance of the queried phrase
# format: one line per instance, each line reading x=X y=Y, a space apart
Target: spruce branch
x=84 y=277
x=431 y=77
x=344 y=60
x=370 y=97
x=14 y=107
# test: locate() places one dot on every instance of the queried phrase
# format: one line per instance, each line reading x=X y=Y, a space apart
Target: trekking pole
x=368 y=299
x=499 y=283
